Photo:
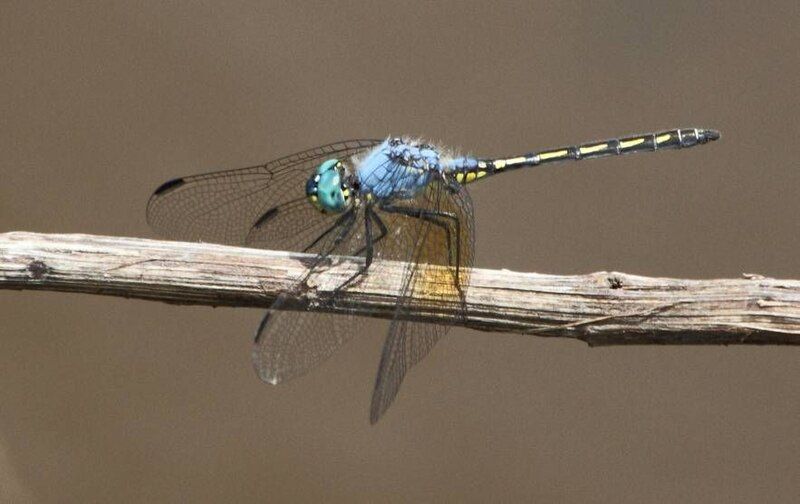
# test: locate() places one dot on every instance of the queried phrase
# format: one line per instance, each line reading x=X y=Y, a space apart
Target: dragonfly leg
x=433 y=217
x=368 y=246
x=381 y=227
x=345 y=222
x=452 y=185
x=457 y=248
x=328 y=231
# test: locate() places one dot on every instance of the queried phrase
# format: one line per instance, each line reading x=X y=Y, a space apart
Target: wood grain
x=599 y=308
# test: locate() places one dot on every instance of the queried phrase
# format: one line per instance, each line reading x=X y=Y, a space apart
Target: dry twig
x=599 y=308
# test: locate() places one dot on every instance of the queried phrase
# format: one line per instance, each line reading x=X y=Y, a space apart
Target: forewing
x=264 y=206
x=434 y=276
x=292 y=226
x=221 y=207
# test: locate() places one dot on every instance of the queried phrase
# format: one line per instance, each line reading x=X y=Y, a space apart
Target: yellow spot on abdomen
x=593 y=148
x=663 y=138
x=624 y=144
x=553 y=154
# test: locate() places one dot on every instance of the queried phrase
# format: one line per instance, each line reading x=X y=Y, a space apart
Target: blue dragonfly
x=394 y=199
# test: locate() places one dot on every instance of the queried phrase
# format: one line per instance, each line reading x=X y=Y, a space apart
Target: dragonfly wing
x=291 y=226
x=406 y=344
x=290 y=343
x=263 y=206
x=221 y=207
x=437 y=273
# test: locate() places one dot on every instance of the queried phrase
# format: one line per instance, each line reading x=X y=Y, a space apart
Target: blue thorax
x=400 y=169
x=397 y=169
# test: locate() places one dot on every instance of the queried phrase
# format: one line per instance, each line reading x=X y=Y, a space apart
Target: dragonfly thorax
x=329 y=188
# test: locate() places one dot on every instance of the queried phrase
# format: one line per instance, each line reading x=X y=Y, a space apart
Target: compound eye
x=326 y=166
x=326 y=189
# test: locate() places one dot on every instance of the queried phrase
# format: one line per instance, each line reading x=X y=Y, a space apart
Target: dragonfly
x=391 y=199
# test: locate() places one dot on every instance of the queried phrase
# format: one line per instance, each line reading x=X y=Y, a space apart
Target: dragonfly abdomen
x=468 y=170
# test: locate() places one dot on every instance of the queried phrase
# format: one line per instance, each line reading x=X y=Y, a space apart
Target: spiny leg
x=377 y=219
x=368 y=246
x=457 y=226
x=381 y=226
x=454 y=187
x=426 y=215
x=325 y=233
x=433 y=216
x=346 y=222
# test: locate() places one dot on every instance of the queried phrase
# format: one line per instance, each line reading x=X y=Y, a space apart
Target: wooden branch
x=599 y=308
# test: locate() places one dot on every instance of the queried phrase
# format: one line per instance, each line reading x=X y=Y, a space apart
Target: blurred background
x=114 y=400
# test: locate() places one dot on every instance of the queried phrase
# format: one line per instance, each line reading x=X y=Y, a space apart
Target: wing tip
x=169 y=185
x=375 y=413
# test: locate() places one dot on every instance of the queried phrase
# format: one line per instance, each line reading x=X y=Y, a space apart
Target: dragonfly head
x=328 y=188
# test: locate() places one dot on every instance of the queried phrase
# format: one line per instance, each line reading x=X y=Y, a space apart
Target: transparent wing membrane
x=221 y=207
x=265 y=206
x=290 y=343
x=438 y=247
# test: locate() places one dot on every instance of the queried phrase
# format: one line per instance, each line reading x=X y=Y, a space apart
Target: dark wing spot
x=272 y=212
x=169 y=185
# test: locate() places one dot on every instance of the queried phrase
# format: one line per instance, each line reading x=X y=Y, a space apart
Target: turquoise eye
x=324 y=188
x=327 y=166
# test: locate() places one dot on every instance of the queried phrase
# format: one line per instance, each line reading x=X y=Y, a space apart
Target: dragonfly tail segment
x=468 y=170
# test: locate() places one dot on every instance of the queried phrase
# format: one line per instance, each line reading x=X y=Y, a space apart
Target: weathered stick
x=598 y=308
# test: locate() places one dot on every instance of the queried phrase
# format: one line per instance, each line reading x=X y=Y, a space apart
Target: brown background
x=108 y=400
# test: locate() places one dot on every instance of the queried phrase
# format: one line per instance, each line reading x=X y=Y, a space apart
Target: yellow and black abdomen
x=466 y=170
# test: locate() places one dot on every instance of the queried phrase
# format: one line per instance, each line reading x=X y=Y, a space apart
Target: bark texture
x=599 y=308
